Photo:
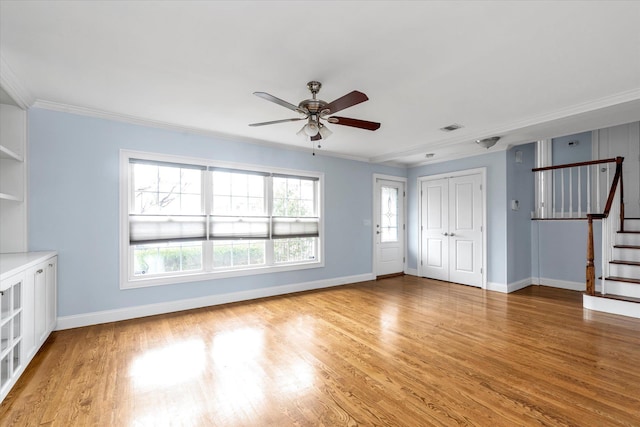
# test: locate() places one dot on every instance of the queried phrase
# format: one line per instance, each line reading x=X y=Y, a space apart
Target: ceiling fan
x=314 y=110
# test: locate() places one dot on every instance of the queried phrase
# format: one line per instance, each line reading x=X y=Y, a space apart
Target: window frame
x=127 y=278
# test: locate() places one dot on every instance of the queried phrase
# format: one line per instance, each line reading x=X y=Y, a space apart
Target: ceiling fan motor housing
x=314 y=106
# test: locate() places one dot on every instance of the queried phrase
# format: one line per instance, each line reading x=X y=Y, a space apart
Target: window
x=190 y=220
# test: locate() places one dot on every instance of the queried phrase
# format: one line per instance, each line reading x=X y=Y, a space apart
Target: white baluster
x=562 y=193
x=579 y=194
x=589 y=189
x=570 y=192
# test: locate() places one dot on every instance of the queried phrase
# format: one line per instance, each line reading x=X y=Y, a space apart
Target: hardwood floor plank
x=403 y=351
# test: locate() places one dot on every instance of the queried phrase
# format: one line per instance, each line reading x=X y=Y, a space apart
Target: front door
x=389 y=227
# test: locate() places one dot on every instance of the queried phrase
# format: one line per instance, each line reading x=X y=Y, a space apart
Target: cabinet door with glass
x=11 y=326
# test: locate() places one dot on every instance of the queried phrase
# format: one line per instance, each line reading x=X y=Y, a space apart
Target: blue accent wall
x=74 y=207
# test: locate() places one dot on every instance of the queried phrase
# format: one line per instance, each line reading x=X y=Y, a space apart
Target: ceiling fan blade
x=285 y=104
x=349 y=100
x=277 y=121
x=362 y=124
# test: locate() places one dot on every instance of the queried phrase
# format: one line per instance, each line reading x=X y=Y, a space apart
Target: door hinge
x=404 y=194
x=421 y=263
x=481 y=229
x=480 y=271
x=403 y=259
x=480 y=187
x=403 y=227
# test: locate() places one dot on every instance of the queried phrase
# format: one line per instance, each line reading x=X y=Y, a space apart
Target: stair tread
x=626 y=247
x=623 y=279
x=628 y=232
x=618 y=297
x=618 y=261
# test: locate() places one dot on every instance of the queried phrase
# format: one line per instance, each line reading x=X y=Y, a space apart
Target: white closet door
x=451 y=229
x=435 y=229
x=465 y=230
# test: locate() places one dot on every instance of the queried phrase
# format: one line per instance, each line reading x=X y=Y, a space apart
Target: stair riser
x=632 y=224
x=626 y=254
x=628 y=239
x=627 y=271
x=622 y=288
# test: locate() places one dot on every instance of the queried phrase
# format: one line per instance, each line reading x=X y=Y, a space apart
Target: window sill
x=144 y=282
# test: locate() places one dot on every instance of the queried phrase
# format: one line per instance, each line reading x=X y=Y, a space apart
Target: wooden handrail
x=591 y=271
x=572 y=165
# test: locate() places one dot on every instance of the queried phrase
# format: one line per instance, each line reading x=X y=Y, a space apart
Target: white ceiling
x=521 y=70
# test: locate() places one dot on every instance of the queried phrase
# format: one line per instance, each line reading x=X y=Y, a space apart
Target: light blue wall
x=74 y=198
x=559 y=247
x=495 y=162
x=560 y=250
x=563 y=153
x=520 y=187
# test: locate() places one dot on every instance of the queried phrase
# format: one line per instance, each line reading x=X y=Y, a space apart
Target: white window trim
x=127 y=281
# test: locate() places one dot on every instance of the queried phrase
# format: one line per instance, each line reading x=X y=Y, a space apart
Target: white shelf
x=6 y=153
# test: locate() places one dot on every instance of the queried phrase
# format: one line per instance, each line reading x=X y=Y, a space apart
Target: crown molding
x=13 y=87
x=106 y=115
x=632 y=95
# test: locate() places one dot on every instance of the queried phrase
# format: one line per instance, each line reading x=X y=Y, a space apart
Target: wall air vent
x=451 y=128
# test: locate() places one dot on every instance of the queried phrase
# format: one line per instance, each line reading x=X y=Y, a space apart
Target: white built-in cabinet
x=28 y=301
x=13 y=175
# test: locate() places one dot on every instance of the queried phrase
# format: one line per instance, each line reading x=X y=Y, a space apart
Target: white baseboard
x=95 y=318
x=563 y=284
x=509 y=287
x=520 y=284
x=411 y=271
x=497 y=287
x=622 y=308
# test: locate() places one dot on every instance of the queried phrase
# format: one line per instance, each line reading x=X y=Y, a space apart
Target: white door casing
x=389 y=225
x=452 y=221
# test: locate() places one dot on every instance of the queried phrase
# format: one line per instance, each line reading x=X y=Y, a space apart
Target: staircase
x=624 y=269
x=622 y=284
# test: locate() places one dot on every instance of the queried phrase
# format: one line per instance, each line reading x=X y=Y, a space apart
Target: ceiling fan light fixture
x=311 y=128
x=302 y=132
x=324 y=131
x=488 y=142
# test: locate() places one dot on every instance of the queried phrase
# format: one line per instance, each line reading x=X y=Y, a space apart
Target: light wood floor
x=402 y=351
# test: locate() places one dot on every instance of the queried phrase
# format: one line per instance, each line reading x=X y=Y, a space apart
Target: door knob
x=452 y=234
x=445 y=234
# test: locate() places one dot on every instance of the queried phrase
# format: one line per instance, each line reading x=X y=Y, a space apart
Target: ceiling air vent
x=451 y=128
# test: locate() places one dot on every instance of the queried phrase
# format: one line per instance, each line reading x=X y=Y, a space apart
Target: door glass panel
x=388 y=214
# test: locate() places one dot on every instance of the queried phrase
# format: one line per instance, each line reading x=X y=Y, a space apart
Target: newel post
x=591 y=270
